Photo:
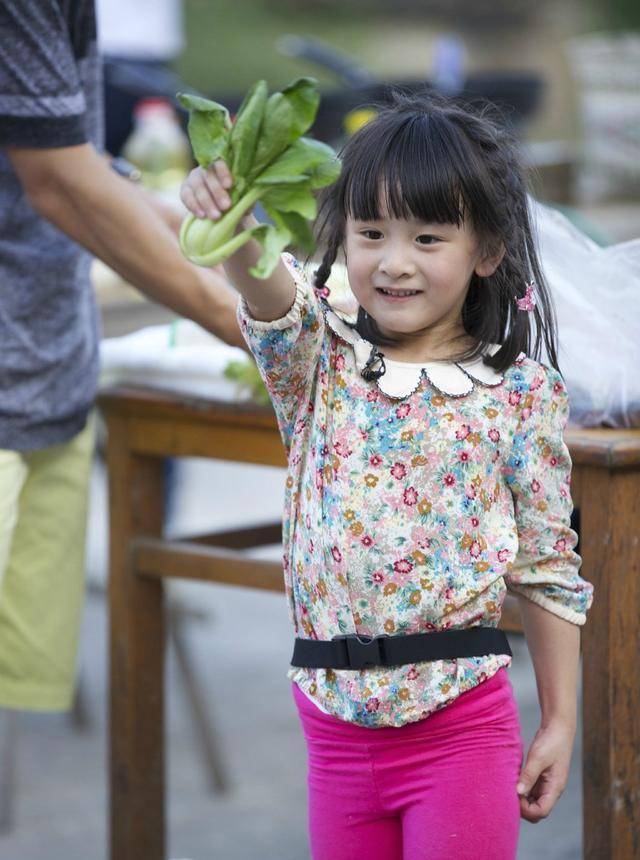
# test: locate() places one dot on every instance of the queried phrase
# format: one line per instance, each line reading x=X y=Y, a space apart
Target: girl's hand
x=205 y=192
x=545 y=774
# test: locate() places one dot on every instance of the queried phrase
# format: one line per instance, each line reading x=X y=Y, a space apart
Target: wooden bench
x=145 y=427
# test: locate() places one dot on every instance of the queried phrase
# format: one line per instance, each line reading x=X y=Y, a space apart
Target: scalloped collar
x=401 y=379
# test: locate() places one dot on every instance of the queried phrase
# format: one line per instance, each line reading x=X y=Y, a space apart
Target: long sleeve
x=287 y=350
x=538 y=472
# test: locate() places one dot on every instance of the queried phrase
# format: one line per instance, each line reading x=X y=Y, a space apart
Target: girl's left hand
x=205 y=191
x=545 y=773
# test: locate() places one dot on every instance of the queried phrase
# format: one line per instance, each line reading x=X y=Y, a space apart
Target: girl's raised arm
x=205 y=194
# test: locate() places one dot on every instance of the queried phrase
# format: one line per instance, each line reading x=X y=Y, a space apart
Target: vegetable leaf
x=244 y=134
x=274 y=240
x=325 y=173
x=299 y=228
x=287 y=116
x=246 y=375
x=289 y=198
x=299 y=159
x=209 y=126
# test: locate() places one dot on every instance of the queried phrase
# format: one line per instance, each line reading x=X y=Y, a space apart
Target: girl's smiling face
x=389 y=257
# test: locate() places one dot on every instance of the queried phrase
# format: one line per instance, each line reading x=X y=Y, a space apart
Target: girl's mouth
x=397 y=295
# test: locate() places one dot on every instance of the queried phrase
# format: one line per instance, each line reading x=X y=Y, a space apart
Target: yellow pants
x=43 y=517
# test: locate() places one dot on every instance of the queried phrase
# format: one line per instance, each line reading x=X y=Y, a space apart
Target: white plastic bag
x=597 y=297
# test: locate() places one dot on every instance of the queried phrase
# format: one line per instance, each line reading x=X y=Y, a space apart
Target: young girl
x=427 y=472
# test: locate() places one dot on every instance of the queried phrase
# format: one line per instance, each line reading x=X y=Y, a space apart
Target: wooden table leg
x=137 y=823
x=610 y=509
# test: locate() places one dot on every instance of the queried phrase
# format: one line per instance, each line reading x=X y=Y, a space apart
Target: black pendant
x=374 y=367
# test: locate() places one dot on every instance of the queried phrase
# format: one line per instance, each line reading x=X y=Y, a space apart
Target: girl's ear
x=489 y=262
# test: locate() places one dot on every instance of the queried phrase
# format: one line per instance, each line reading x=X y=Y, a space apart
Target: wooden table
x=145 y=427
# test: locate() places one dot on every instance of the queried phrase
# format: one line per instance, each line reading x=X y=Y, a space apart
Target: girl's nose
x=395 y=263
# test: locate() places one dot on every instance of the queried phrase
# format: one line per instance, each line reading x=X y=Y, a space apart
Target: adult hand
x=544 y=775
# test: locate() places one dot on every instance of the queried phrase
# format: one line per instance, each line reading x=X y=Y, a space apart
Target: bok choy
x=270 y=161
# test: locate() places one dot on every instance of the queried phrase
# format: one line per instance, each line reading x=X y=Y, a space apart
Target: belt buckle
x=363 y=652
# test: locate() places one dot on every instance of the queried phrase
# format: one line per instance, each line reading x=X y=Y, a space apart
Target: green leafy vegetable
x=270 y=161
x=245 y=373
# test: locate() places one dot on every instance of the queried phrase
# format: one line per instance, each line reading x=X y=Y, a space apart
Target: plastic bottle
x=157 y=145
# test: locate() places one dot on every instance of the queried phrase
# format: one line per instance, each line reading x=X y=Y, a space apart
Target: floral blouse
x=412 y=503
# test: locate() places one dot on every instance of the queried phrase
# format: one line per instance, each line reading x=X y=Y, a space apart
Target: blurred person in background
x=61 y=203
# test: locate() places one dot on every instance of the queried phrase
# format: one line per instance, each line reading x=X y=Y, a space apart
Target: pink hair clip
x=528 y=301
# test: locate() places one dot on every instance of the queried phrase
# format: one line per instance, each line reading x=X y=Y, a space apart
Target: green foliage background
x=232 y=42
x=617 y=14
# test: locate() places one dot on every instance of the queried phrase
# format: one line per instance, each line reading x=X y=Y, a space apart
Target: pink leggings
x=443 y=788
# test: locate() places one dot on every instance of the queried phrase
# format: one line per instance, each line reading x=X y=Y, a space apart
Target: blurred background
x=565 y=74
x=567 y=77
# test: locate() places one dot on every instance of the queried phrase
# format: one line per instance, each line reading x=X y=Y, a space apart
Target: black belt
x=353 y=652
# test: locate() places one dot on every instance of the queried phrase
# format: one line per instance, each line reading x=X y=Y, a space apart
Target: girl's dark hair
x=441 y=162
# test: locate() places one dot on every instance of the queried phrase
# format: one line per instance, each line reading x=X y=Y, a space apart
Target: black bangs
x=412 y=169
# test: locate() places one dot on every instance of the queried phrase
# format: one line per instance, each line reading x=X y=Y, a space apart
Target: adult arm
x=75 y=189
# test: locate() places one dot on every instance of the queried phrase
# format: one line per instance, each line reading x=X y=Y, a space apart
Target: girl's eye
x=371 y=234
x=427 y=239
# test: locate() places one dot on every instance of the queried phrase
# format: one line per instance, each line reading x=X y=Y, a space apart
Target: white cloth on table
x=180 y=356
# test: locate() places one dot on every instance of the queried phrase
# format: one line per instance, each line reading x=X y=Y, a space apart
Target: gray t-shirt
x=50 y=96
